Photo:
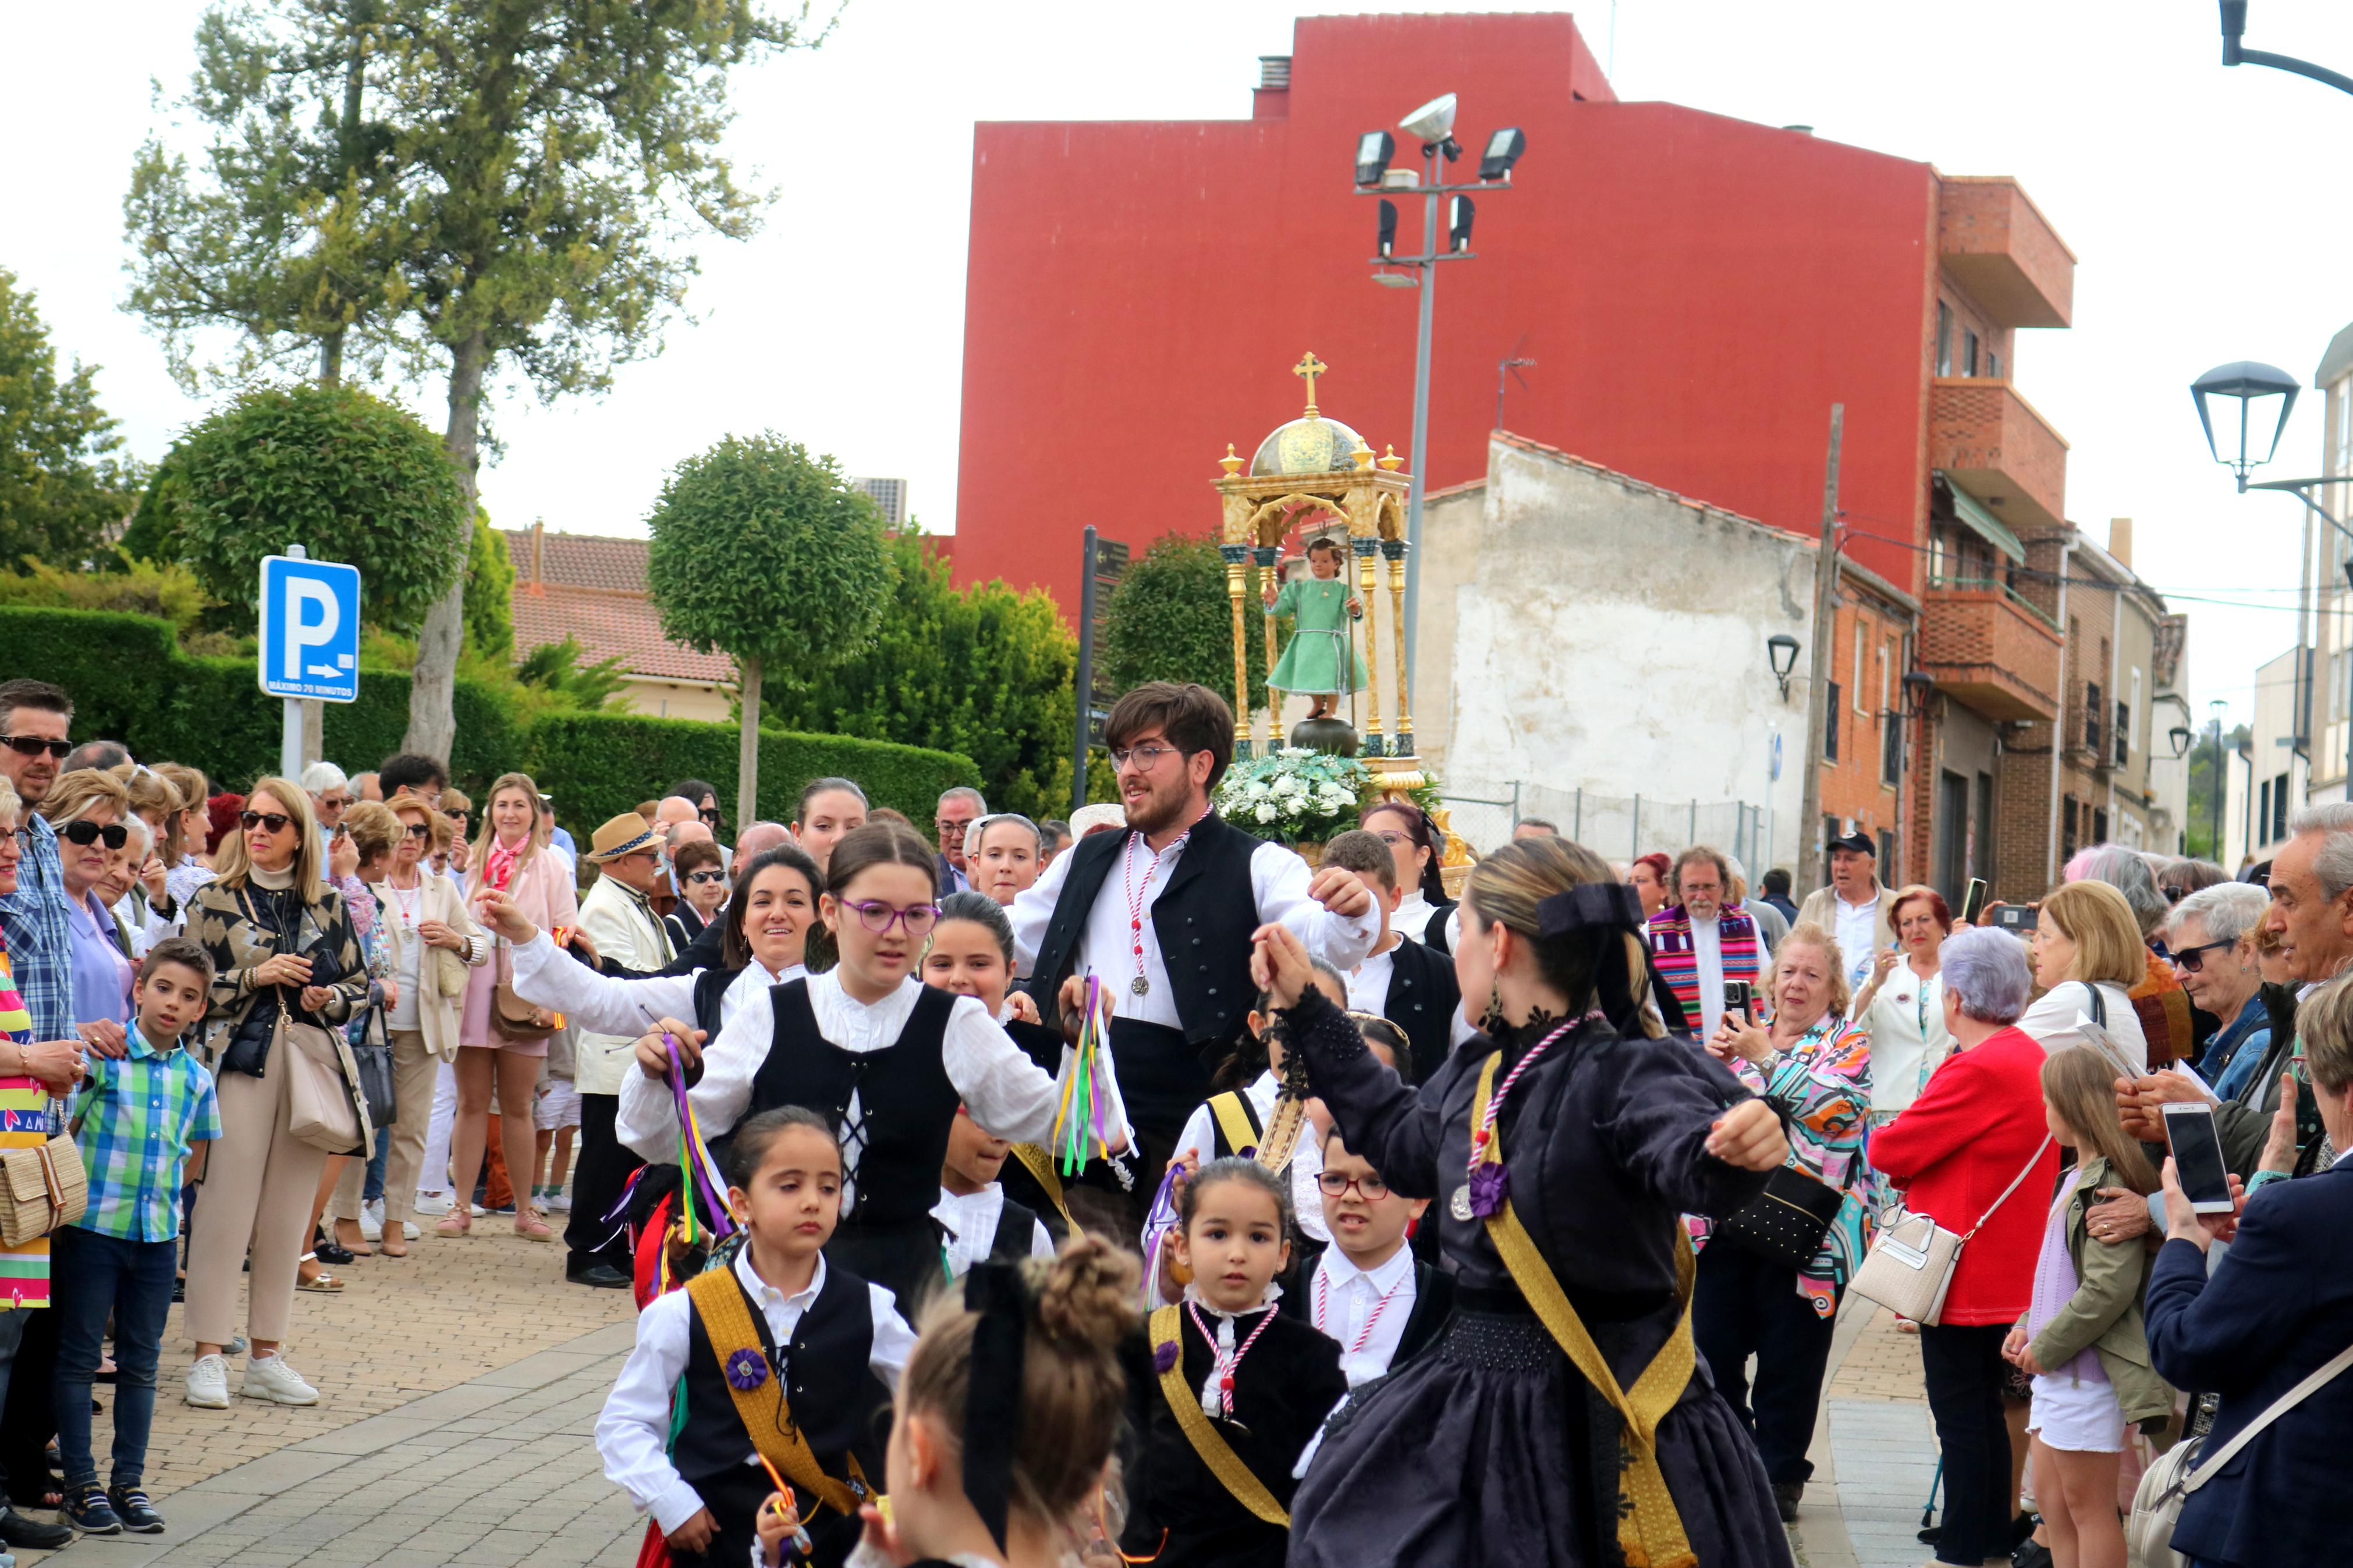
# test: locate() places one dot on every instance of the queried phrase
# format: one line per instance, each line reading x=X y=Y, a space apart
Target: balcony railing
x=1991 y=648
x=2017 y=599
x=1990 y=441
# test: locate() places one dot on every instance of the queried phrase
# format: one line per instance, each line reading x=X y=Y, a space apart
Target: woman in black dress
x=1492 y=1448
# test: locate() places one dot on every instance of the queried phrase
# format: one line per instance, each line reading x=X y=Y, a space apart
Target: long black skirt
x=1490 y=1448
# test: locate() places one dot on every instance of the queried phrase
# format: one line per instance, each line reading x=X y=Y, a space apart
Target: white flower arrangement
x=1295 y=796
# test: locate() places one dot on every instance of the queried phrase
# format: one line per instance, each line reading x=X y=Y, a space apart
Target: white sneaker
x=408 y=1230
x=433 y=1203
x=558 y=1200
x=372 y=1221
x=208 y=1382
x=269 y=1377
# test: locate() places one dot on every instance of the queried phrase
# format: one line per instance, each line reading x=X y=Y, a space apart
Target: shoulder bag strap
x=2209 y=1464
x=726 y=1317
x=1650 y=1531
x=2028 y=1169
x=2099 y=1004
x=1168 y=1332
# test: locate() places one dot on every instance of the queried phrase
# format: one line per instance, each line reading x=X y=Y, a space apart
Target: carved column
x=1236 y=555
x=1264 y=556
x=1394 y=551
x=1372 y=734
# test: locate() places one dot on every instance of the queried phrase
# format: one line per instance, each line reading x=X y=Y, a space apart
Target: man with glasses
x=617 y=915
x=34 y=719
x=958 y=809
x=1163 y=912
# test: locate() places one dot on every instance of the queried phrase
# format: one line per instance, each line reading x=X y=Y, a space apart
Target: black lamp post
x=2234 y=24
x=1781 y=649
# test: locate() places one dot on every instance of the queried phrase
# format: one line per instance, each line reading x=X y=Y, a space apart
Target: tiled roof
x=593 y=590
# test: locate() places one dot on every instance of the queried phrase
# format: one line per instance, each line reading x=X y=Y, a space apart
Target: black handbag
x=1784 y=1223
x=372 y=1056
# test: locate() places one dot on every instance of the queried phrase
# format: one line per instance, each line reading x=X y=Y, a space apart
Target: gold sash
x=1651 y=1533
x=1041 y=1164
x=726 y=1317
x=1234 y=1121
x=1167 y=1329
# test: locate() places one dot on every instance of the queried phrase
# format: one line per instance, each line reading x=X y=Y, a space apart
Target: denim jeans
x=373 y=1192
x=96 y=1275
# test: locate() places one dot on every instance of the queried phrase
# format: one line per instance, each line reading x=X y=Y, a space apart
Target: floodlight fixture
x=1503 y=150
x=1387 y=243
x=1373 y=150
x=1459 y=212
x=1433 y=122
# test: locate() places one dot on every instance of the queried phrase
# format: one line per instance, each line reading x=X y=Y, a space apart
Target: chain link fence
x=1617 y=827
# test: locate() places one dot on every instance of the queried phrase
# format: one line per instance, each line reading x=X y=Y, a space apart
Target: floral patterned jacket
x=1822 y=1085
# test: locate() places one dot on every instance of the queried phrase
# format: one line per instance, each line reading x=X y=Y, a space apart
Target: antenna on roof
x=1510 y=366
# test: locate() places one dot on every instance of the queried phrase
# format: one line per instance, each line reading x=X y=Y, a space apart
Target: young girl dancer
x=2082 y=1340
x=1559 y=1158
x=1238 y=1389
x=1007 y=1416
x=867 y=1045
x=781 y=1359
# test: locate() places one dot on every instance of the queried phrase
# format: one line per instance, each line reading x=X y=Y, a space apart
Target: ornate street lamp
x=2246 y=380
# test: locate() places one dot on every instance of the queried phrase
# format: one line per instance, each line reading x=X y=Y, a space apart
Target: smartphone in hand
x=1737 y=994
x=2198 y=1156
x=1973 y=901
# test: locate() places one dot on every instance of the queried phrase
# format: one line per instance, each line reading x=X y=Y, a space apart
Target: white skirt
x=2075 y=1416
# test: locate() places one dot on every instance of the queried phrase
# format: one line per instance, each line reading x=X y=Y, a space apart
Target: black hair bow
x=992 y=1404
x=1591 y=904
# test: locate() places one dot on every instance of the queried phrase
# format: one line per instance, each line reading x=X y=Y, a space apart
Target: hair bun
x=1089 y=1293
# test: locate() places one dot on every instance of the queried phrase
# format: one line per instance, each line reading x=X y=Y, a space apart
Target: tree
x=61 y=484
x=347 y=476
x=489 y=594
x=764 y=552
x=1169 y=619
x=507 y=185
x=983 y=671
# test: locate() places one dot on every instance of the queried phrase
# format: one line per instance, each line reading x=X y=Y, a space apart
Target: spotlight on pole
x=1503 y=150
x=1459 y=212
x=1433 y=125
x=1387 y=241
x=1373 y=150
x=2244 y=382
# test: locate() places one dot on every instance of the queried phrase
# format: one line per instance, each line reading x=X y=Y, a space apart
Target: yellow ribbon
x=1651 y=1534
x=1224 y=1463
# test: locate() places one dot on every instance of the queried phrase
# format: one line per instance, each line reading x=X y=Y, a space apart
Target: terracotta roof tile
x=581 y=561
x=593 y=590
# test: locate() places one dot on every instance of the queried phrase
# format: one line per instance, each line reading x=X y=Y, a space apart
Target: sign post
x=309 y=640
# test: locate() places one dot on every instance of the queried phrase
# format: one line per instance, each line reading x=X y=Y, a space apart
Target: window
x=1969 y=353
x=2279 y=807
x=1891 y=748
x=1993 y=364
x=2099 y=825
x=1829 y=731
x=2068 y=812
x=2264 y=813
x=1943 y=338
x=2124 y=739
x=2091 y=716
x=1859 y=708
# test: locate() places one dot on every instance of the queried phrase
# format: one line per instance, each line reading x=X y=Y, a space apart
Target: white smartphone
x=2198 y=1157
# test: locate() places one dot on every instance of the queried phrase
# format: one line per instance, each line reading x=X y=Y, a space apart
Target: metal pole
x=1515 y=803
x=1086 y=676
x=2059 y=725
x=1819 y=659
x=1420 y=416
x=1694 y=837
x=289 y=735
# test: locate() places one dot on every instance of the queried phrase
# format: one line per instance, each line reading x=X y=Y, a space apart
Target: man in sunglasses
x=34 y=717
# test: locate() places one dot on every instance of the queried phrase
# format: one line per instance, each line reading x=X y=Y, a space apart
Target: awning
x=1976 y=515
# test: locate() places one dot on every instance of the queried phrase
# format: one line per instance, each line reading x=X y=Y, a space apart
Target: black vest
x=1202 y=919
x=903 y=1094
x=1422 y=1001
x=833 y=1392
x=709 y=986
x=1016 y=1228
x=1434 y=934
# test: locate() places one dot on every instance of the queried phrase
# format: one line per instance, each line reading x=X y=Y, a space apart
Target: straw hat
x=624 y=835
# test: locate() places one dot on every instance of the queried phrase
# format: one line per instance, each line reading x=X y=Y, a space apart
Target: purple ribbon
x=697 y=1159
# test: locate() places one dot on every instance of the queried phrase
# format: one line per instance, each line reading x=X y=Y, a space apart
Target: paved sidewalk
x=1874 y=1451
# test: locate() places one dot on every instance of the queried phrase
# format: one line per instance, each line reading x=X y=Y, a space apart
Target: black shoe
x=601 y=1276
x=2023 y=1528
x=1784 y=1498
x=2030 y=1553
x=132 y=1506
x=180 y=1288
x=88 y=1510
x=332 y=1256
x=31 y=1535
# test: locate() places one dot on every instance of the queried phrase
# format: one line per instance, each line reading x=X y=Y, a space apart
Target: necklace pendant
x=1460 y=1207
x=1140 y=986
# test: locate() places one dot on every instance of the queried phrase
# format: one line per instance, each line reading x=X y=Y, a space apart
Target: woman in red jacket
x=1974 y=1131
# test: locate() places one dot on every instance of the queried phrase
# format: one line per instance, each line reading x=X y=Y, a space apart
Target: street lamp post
x=2235 y=25
x=1433 y=125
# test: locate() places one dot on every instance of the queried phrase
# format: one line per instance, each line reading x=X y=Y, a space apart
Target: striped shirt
x=134 y=1121
x=35 y=918
x=24 y=1124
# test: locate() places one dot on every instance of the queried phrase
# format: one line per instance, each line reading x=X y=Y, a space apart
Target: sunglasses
x=250 y=820
x=34 y=745
x=455 y=816
x=415 y=830
x=709 y=814
x=89 y=833
x=706 y=876
x=2193 y=959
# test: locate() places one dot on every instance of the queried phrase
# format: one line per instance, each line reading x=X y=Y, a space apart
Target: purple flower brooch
x=1164 y=1356
x=746 y=1370
x=1489 y=1185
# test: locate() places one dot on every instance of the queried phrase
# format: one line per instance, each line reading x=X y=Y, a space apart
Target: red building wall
x=1697 y=291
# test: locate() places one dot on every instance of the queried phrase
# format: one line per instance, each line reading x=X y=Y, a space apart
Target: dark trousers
x=1744 y=1305
x=602 y=1170
x=28 y=1420
x=1962 y=1366
x=94 y=1275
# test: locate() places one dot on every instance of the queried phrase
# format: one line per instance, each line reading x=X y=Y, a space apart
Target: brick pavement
x=1874 y=1452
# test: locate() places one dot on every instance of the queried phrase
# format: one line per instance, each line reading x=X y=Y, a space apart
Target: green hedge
x=130 y=682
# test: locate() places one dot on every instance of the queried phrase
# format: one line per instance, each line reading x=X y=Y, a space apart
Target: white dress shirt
x=633 y=1431
x=1707 y=947
x=1343 y=1301
x=1413 y=913
x=1368 y=988
x=1279 y=880
x=1003 y=1089
x=1306 y=1161
x=1858 y=936
x=971 y=1221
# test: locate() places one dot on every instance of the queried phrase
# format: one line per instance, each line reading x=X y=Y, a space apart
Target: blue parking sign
x=309 y=629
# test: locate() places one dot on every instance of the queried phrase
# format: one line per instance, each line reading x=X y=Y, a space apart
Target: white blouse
x=2056 y=1022
x=971 y=1221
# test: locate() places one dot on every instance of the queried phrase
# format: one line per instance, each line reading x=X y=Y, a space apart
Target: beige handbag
x=2181 y=1469
x=42 y=1191
x=1910 y=1266
x=322 y=1110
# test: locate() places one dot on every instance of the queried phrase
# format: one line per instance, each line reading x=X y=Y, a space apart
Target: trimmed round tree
x=348 y=476
x=1170 y=619
x=764 y=553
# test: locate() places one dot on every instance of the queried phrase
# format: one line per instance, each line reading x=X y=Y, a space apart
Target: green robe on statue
x=1311 y=661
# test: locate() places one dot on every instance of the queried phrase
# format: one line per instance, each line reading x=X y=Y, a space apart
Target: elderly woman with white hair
x=1974 y=1152
x=2212 y=939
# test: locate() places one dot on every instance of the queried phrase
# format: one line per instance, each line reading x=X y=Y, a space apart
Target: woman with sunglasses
x=702 y=889
x=2212 y=935
x=282 y=948
x=867 y=1044
x=87 y=809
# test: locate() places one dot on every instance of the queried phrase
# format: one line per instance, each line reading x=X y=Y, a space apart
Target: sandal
x=455 y=1223
x=531 y=1228
x=323 y=1282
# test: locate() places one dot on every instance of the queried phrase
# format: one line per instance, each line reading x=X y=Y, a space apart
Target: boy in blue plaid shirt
x=137 y=1123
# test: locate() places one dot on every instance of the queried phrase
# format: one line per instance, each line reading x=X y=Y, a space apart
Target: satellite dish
x=1434 y=122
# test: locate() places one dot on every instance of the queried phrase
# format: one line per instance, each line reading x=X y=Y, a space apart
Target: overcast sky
x=2200 y=201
